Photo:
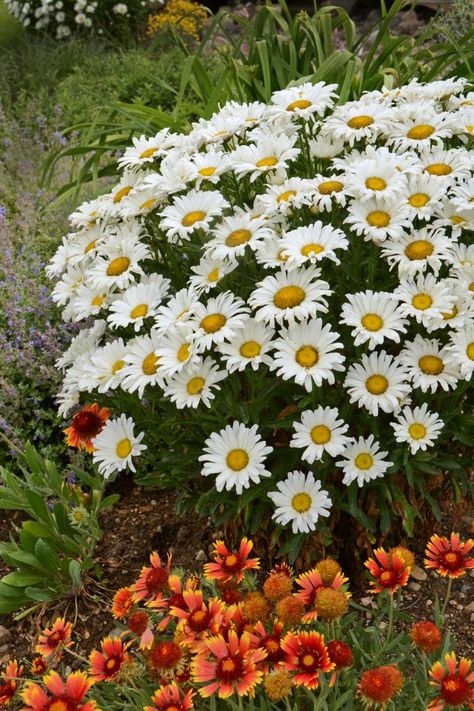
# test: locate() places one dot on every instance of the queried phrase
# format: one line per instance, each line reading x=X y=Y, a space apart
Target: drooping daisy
x=142 y=365
x=234 y=234
x=236 y=456
x=120 y=266
x=218 y=319
x=300 y=501
x=417 y=250
x=307 y=353
x=378 y=381
x=320 y=431
x=375 y=316
x=190 y=212
x=209 y=272
x=424 y=298
x=304 y=100
x=67 y=286
x=145 y=150
x=272 y=152
x=286 y=296
x=194 y=384
x=460 y=351
x=177 y=311
x=359 y=120
x=450 y=215
x=138 y=302
x=249 y=345
x=418 y=427
x=270 y=254
x=86 y=341
x=115 y=446
x=312 y=243
x=378 y=219
x=325 y=145
x=104 y=369
x=363 y=461
x=282 y=197
x=428 y=366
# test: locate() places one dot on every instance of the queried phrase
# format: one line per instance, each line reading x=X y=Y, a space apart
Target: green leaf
x=40 y=530
x=40 y=594
x=21 y=580
x=75 y=575
x=46 y=556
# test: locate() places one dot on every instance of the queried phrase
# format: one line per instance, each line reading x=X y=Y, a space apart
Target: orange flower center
x=330 y=186
x=288 y=297
x=455 y=690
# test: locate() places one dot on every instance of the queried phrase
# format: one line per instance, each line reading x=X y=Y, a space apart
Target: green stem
x=390 y=617
x=446 y=599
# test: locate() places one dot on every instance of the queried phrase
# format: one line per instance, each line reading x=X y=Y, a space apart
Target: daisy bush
x=281 y=307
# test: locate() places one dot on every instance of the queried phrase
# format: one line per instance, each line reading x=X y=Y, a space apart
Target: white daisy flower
x=104 y=370
x=418 y=126
x=424 y=298
x=284 y=196
x=463 y=195
x=190 y=212
x=271 y=254
x=209 y=272
x=272 y=153
x=234 y=234
x=115 y=446
x=307 y=353
x=141 y=201
x=372 y=178
x=328 y=190
x=378 y=219
x=286 y=296
x=142 y=366
x=320 y=431
x=300 y=501
x=363 y=461
x=248 y=114
x=110 y=205
x=250 y=345
x=236 y=456
x=461 y=313
x=120 y=266
x=87 y=302
x=176 y=350
x=460 y=351
x=428 y=365
x=146 y=150
x=66 y=288
x=176 y=171
x=218 y=319
x=418 y=427
x=208 y=167
x=325 y=146
x=85 y=342
x=217 y=129
x=138 y=302
x=450 y=215
x=378 y=381
x=87 y=214
x=177 y=311
x=415 y=252
x=445 y=164
x=312 y=243
x=304 y=100
x=424 y=194
x=83 y=245
x=375 y=316
x=358 y=120
x=195 y=384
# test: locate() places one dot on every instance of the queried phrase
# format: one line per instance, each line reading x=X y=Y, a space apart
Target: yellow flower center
x=228 y=665
x=195 y=385
x=360 y=121
x=213 y=323
x=120 y=194
x=139 y=311
x=311 y=248
x=448 y=315
x=298 y=104
x=123 y=448
x=282 y=256
x=238 y=237
x=286 y=195
x=439 y=169
x=431 y=365
x=148 y=153
x=375 y=184
x=422 y=301
x=418 y=133
x=378 y=218
x=118 y=266
x=288 y=297
x=457 y=219
x=320 y=434
x=376 y=384
x=192 y=217
x=90 y=246
x=250 y=349
x=470 y=351
x=98 y=300
x=150 y=364
x=372 y=322
x=58 y=705
x=419 y=249
x=267 y=162
x=471 y=286
x=118 y=365
x=330 y=186
x=419 y=199
x=417 y=430
x=207 y=172
x=213 y=275
x=148 y=204
x=307 y=356
x=237 y=459
x=363 y=460
x=110 y=663
x=301 y=502
x=183 y=352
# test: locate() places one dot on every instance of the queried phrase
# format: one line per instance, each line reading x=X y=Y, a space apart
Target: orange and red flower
x=271 y=643
x=9 y=681
x=427 y=636
x=455 y=684
x=311 y=583
x=52 y=641
x=153 y=580
x=107 y=664
x=38 y=666
x=449 y=556
x=63 y=695
x=198 y=618
x=341 y=655
x=381 y=684
x=169 y=698
x=389 y=571
x=226 y=666
x=86 y=424
x=165 y=655
x=307 y=655
x=122 y=603
x=229 y=564
x=139 y=623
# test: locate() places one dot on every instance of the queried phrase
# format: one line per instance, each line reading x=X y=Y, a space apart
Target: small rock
x=201 y=555
x=366 y=601
x=116 y=632
x=418 y=573
x=470 y=607
x=429 y=603
x=154 y=502
x=5 y=635
x=453 y=603
x=382 y=625
x=3 y=648
x=414 y=586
